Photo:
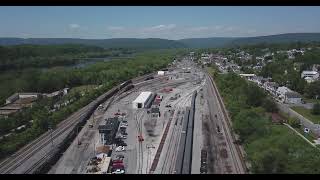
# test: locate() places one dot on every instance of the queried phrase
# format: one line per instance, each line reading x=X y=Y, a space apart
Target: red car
x=117 y=161
x=118 y=166
x=117 y=114
x=140 y=138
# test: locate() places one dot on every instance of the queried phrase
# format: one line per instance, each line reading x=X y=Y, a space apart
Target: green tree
x=249 y=124
x=270 y=161
x=270 y=105
x=316 y=109
x=255 y=95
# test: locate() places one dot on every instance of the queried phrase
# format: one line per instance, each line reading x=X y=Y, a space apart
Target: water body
x=84 y=62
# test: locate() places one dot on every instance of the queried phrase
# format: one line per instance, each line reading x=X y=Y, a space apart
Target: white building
x=312 y=74
x=141 y=100
x=292 y=98
x=17 y=96
x=281 y=91
x=309 y=79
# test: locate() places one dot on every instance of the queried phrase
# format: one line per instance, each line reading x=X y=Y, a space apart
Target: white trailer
x=161 y=73
x=141 y=100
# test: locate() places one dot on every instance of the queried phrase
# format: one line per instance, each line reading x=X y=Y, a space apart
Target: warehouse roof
x=143 y=97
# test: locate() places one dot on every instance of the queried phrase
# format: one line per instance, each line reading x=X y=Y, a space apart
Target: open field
x=307 y=114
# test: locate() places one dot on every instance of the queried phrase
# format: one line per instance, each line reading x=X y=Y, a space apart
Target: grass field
x=312 y=100
x=307 y=114
x=309 y=136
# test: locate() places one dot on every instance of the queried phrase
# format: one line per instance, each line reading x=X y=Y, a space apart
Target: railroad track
x=236 y=154
x=21 y=156
x=38 y=144
x=169 y=163
x=138 y=118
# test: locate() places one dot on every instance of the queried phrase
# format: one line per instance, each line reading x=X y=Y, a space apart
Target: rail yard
x=170 y=122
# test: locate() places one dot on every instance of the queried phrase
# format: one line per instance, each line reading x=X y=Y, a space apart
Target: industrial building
x=108 y=131
x=18 y=96
x=155 y=112
x=141 y=100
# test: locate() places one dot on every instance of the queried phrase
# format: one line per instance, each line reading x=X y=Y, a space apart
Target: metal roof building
x=141 y=100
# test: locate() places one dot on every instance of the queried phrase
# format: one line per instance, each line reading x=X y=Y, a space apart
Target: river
x=89 y=61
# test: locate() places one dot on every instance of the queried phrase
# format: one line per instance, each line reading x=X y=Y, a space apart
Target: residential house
x=292 y=98
x=313 y=75
x=281 y=91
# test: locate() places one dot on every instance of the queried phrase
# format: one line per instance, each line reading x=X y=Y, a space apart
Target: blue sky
x=169 y=22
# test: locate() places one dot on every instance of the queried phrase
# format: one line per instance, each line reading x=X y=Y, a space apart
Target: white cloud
x=160 y=27
x=251 y=31
x=74 y=26
x=229 y=29
x=115 y=28
x=202 y=28
x=218 y=27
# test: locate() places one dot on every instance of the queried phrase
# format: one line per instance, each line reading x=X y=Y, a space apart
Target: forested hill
x=279 y=38
x=226 y=41
x=150 y=43
x=155 y=43
x=206 y=42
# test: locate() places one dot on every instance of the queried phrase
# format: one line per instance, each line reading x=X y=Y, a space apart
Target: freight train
x=184 y=159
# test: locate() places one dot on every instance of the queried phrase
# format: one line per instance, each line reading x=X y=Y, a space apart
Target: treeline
x=269 y=148
x=107 y=74
x=33 y=56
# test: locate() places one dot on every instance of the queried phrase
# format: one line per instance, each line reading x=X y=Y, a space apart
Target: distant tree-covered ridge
x=149 y=43
x=156 y=43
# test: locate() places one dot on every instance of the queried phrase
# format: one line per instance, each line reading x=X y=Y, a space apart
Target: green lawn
x=309 y=136
x=82 y=88
x=307 y=114
x=311 y=100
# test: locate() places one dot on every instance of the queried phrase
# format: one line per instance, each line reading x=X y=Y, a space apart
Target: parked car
x=168 y=106
x=122 y=144
x=123 y=124
x=120 y=148
x=118 y=171
x=120 y=156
